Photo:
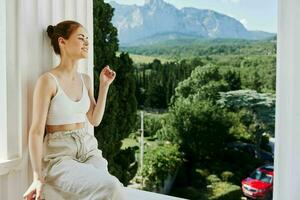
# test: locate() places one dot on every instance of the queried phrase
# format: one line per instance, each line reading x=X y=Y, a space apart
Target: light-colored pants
x=74 y=168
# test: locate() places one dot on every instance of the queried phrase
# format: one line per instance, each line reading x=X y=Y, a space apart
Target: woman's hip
x=75 y=143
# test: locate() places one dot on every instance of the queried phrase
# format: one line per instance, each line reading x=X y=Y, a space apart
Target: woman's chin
x=83 y=56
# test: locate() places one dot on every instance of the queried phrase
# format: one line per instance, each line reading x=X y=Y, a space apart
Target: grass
x=129 y=142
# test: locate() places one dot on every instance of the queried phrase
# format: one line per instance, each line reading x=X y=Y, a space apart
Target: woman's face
x=76 y=47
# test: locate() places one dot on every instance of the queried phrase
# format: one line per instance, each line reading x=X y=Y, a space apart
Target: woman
x=67 y=163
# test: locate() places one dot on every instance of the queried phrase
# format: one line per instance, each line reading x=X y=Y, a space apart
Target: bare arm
x=96 y=110
x=41 y=101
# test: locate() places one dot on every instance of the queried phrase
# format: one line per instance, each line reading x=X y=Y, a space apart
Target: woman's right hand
x=34 y=191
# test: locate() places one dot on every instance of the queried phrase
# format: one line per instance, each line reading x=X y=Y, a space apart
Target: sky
x=254 y=14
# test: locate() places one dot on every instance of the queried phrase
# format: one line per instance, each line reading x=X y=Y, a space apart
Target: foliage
x=201 y=83
x=127 y=164
x=226 y=176
x=167 y=131
x=260 y=107
x=205 y=83
x=194 y=48
x=159 y=163
x=242 y=119
x=225 y=191
x=156 y=82
x=121 y=103
x=202 y=128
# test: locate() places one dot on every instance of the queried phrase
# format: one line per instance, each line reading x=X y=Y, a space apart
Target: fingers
x=38 y=195
x=107 y=67
x=112 y=73
x=109 y=72
x=29 y=196
x=29 y=192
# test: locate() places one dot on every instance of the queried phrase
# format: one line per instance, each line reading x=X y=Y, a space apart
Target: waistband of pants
x=62 y=134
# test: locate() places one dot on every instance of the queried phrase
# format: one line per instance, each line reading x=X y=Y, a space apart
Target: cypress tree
x=120 y=111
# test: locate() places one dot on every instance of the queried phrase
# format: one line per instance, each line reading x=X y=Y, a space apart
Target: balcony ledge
x=135 y=194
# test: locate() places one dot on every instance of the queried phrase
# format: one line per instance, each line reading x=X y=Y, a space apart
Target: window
x=10 y=89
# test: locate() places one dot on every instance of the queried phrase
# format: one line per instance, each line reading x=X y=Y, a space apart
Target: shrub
x=211 y=179
x=159 y=163
x=226 y=176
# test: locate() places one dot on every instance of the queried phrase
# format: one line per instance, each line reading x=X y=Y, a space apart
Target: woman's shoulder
x=47 y=82
x=46 y=77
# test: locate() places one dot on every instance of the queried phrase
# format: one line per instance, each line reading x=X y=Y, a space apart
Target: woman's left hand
x=107 y=76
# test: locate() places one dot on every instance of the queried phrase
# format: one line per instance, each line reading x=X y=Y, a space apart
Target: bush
x=226 y=176
x=159 y=163
x=265 y=143
x=203 y=128
x=167 y=132
x=128 y=165
x=211 y=179
x=152 y=123
x=222 y=190
x=225 y=191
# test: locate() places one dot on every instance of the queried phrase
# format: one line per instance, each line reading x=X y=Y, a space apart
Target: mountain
x=157 y=21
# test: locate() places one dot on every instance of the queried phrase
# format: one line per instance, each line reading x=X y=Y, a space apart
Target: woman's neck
x=68 y=68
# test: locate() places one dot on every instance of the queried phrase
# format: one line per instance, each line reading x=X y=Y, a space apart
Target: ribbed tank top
x=63 y=110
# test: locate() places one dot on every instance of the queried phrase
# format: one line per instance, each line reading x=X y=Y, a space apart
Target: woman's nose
x=86 y=42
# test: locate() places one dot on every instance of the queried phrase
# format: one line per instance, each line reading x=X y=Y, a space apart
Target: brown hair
x=63 y=29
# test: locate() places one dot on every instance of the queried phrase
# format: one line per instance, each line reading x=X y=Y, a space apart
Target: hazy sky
x=254 y=14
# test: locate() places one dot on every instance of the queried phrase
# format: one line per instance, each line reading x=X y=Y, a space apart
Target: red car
x=259 y=185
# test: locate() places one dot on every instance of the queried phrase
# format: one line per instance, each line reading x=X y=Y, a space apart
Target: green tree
x=260 y=106
x=159 y=163
x=121 y=103
x=233 y=79
x=202 y=127
x=205 y=82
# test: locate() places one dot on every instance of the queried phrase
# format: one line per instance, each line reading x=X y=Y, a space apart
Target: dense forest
x=156 y=82
x=205 y=96
x=190 y=48
x=204 y=103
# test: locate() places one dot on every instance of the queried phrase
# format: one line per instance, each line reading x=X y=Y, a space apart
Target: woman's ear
x=61 y=41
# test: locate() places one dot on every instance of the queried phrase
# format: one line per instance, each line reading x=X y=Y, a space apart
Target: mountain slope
x=157 y=21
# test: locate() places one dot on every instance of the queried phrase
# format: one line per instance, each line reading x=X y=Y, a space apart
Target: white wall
x=287 y=148
x=3 y=102
x=25 y=54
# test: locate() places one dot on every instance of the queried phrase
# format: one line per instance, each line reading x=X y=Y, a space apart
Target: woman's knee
x=113 y=184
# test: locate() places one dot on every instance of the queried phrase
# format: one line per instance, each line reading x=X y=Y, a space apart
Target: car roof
x=268 y=169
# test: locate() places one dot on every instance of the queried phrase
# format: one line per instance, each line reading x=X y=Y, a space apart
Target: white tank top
x=63 y=110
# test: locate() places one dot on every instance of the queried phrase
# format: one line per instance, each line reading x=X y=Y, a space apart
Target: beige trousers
x=74 y=168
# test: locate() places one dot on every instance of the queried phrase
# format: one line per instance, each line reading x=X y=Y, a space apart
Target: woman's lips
x=85 y=49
